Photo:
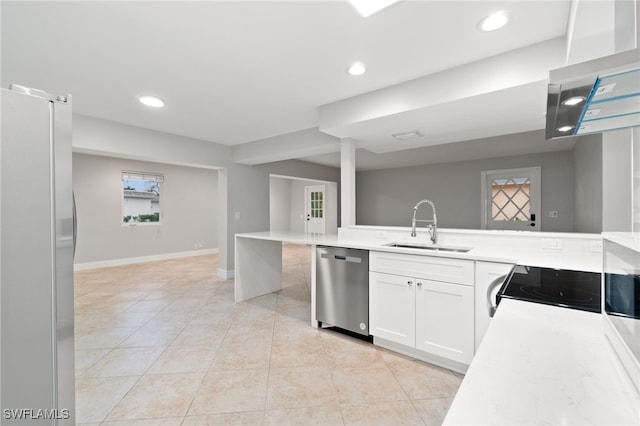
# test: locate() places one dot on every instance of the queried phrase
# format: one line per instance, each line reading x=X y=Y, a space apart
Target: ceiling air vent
x=408 y=135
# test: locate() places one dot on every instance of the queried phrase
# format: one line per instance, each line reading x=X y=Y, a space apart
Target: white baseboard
x=142 y=259
x=226 y=274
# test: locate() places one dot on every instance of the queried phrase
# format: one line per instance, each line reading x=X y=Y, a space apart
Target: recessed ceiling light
x=151 y=101
x=369 y=7
x=565 y=129
x=357 y=68
x=494 y=21
x=574 y=100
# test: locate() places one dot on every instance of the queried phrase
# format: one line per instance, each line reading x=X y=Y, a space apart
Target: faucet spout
x=433 y=224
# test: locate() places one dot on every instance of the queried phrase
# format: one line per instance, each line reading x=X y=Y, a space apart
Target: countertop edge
x=310 y=239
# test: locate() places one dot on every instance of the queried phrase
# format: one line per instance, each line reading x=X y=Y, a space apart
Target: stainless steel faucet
x=432 y=226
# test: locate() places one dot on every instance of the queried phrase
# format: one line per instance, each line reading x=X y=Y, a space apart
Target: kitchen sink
x=429 y=247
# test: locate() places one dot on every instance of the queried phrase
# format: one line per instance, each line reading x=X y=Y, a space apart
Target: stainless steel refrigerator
x=36 y=251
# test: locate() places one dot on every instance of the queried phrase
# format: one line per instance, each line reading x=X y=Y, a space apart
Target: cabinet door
x=444 y=319
x=392 y=308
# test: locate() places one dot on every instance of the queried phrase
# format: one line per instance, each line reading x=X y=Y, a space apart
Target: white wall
x=386 y=197
x=587 y=184
x=636 y=179
x=591 y=30
x=189 y=198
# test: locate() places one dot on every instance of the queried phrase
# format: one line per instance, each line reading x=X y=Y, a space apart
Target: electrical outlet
x=237 y=215
x=199 y=245
x=552 y=243
x=381 y=235
x=553 y=213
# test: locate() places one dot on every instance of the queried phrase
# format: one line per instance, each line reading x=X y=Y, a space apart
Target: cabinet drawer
x=427 y=267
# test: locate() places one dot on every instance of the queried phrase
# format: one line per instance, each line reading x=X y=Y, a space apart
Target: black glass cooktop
x=559 y=287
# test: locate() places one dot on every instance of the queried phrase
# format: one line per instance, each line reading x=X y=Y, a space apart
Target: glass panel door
x=511 y=199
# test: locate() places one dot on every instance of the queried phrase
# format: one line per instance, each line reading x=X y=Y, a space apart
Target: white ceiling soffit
x=285 y=147
x=500 y=95
x=492 y=114
x=494 y=147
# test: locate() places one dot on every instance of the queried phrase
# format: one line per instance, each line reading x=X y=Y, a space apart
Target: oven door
x=622 y=304
x=495 y=289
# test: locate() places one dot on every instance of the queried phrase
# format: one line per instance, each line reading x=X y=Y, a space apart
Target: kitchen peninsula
x=537 y=364
x=258 y=255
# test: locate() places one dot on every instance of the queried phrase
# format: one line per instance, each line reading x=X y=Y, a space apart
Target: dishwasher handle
x=340 y=257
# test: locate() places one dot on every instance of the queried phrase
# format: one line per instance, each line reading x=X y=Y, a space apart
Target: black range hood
x=594 y=96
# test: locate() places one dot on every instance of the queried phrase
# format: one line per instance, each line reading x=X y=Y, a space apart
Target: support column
x=347 y=182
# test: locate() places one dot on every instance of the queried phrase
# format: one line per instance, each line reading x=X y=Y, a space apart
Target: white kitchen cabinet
x=410 y=303
x=486 y=273
x=444 y=319
x=392 y=308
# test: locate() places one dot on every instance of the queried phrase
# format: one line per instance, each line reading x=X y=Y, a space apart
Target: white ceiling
x=233 y=72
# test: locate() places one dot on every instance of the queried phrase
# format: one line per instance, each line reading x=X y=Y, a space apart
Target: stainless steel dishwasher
x=342 y=288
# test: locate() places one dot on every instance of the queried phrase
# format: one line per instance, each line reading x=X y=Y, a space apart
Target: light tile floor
x=163 y=343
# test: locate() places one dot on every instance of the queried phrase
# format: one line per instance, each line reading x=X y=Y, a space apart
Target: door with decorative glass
x=315 y=209
x=511 y=199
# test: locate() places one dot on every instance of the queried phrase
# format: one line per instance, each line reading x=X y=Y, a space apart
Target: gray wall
x=279 y=204
x=189 y=198
x=297 y=218
x=247 y=193
x=617 y=180
x=242 y=189
x=587 y=184
x=287 y=202
x=386 y=197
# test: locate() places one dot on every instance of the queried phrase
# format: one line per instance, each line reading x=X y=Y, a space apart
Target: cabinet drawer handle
x=419 y=284
x=410 y=282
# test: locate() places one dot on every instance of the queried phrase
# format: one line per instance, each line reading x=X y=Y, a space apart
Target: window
x=511 y=199
x=141 y=197
x=317 y=204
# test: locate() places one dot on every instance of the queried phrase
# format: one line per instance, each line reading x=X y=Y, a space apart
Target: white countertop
x=524 y=254
x=631 y=240
x=542 y=364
